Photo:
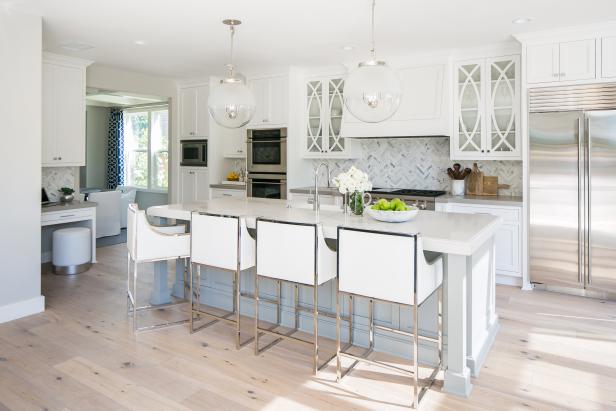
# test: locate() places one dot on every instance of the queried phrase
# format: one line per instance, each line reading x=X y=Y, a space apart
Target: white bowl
x=392 y=216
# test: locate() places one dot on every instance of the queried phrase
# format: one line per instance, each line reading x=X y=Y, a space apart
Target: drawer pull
x=67 y=215
x=226 y=195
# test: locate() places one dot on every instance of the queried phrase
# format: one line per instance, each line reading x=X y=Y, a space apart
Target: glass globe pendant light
x=231 y=103
x=373 y=91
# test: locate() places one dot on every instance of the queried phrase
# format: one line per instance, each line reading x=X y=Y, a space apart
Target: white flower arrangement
x=352 y=181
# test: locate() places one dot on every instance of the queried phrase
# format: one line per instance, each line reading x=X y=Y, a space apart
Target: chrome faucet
x=316 y=204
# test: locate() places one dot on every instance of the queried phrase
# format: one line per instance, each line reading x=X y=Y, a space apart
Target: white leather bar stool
x=295 y=253
x=222 y=242
x=147 y=244
x=389 y=267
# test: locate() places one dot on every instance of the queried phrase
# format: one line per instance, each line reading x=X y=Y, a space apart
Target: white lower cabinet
x=508 y=238
x=194 y=184
x=227 y=192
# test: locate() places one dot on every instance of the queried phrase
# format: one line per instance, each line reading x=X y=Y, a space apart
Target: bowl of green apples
x=394 y=211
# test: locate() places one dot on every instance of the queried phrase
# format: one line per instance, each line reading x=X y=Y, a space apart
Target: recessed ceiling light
x=139 y=42
x=349 y=47
x=73 y=46
x=522 y=20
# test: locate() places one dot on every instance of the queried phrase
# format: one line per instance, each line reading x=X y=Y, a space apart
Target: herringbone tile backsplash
x=421 y=163
x=54 y=178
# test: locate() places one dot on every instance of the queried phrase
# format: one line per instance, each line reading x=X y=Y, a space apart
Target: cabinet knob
x=265 y=120
x=483 y=151
x=555 y=75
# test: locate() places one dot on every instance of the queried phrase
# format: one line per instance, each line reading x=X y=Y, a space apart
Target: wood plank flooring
x=553 y=352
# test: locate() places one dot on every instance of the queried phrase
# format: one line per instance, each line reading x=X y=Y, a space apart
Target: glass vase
x=358 y=201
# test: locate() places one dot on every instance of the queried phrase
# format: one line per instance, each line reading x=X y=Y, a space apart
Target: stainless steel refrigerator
x=572 y=198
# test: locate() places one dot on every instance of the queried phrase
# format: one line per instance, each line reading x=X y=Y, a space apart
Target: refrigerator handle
x=581 y=208
x=588 y=208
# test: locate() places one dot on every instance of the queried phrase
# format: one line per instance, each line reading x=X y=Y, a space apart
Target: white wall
x=97 y=128
x=20 y=116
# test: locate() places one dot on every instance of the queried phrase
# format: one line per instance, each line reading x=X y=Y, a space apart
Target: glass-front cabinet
x=324 y=107
x=487 y=109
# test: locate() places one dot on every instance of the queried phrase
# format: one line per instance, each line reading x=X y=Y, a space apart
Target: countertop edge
x=69 y=206
x=229 y=186
x=509 y=201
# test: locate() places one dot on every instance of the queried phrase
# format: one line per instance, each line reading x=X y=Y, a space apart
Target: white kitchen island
x=467 y=243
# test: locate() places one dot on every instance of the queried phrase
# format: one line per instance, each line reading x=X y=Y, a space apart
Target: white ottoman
x=71 y=250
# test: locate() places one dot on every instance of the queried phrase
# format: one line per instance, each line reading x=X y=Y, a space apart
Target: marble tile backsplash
x=421 y=163
x=53 y=178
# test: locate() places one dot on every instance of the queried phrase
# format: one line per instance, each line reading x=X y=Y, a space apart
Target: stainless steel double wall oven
x=267 y=163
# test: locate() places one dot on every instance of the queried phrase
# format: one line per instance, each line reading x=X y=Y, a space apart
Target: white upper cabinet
x=503 y=107
x=272 y=101
x=577 y=60
x=560 y=61
x=234 y=143
x=422 y=111
x=203 y=113
x=608 y=57
x=323 y=113
x=542 y=63
x=194 y=114
x=486 y=109
x=63 y=111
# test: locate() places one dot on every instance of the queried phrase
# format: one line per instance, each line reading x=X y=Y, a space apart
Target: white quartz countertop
x=73 y=205
x=453 y=233
x=487 y=200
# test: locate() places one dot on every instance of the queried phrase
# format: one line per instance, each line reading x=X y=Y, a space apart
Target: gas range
x=424 y=199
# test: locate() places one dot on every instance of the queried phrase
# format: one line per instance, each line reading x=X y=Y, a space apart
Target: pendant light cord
x=372 y=50
x=230 y=66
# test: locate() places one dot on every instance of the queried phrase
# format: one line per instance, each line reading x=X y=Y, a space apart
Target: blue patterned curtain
x=115 y=149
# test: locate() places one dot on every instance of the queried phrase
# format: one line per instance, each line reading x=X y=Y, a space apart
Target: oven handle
x=265 y=141
x=263 y=182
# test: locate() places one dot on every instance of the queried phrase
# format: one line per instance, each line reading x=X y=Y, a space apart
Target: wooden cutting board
x=474 y=184
x=491 y=186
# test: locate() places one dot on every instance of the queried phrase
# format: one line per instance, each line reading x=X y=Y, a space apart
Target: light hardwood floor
x=553 y=352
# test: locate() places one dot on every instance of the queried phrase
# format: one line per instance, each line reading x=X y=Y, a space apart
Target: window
x=146 y=148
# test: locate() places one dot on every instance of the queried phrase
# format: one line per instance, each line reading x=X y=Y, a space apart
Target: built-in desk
x=74 y=211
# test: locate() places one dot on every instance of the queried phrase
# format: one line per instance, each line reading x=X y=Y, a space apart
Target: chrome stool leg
x=415 y=357
x=135 y=298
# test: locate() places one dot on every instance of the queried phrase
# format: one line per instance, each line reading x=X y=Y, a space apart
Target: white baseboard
x=45 y=257
x=502 y=279
x=21 y=309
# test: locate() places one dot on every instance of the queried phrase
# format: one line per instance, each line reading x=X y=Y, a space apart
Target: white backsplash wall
x=421 y=163
x=56 y=177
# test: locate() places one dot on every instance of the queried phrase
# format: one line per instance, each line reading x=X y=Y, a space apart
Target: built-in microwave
x=194 y=153
x=267 y=151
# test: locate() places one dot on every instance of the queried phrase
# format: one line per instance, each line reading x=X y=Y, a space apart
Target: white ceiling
x=185 y=38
